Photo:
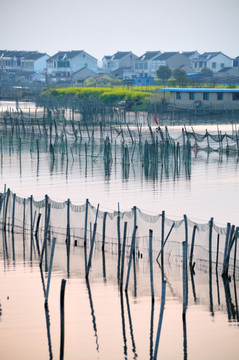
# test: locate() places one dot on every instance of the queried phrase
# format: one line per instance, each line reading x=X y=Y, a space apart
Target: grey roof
x=28 y=55
x=149 y=55
x=209 y=55
x=225 y=69
x=189 y=53
x=62 y=55
x=166 y=55
x=119 y=55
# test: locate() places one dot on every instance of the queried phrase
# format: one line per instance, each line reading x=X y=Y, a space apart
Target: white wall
x=40 y=64
x=83 y=60
x=219 y=59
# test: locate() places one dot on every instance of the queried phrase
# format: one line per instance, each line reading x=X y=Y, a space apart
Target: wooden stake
x=62 y=301
x=151 y=263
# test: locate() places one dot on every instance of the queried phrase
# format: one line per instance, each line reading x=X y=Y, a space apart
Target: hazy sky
x=102 y=27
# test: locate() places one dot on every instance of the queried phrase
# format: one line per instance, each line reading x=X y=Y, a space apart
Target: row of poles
x=230 y=239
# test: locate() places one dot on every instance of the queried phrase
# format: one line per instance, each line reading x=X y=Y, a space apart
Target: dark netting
x=81 y=223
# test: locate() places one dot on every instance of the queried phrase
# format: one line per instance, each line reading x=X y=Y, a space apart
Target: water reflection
x=93 y=315
x=152 y=334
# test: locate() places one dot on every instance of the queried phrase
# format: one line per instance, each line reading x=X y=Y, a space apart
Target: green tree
x=164 y=73
x=206 y=71
x=180 y=76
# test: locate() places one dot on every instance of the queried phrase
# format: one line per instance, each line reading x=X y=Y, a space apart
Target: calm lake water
x=100 y=321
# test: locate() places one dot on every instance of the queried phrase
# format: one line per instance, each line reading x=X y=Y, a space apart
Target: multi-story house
x=62 y=65
x=173 y=60
x=120 y=60
x=144 y=66
x=23 y=60
x=212 y=60
x=34 y=61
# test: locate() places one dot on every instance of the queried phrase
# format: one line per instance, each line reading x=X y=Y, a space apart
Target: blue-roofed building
x=143 y=80
x=203 y=98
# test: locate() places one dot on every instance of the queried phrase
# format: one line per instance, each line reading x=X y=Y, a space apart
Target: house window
x=145 y=66
x=141 y=66
x=136 y=66
x=219 y=96
x=63 y=64
x=178 y=95
x=191 y=96
x=214 y=65
x=222 y=65
x=205 y=96
x=200 y=64
x=235 y=96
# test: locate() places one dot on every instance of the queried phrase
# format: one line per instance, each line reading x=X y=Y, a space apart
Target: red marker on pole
x=155 y=120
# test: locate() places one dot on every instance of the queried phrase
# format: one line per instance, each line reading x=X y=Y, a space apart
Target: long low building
x=203 y=98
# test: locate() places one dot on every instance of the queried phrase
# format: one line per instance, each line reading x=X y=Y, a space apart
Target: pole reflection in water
x=131 y=326
x=231 y=311
x=47 y=315
x=123 y=323
x=192 y=273
x=163 y=295
x=134 y=326
x=92 y=314
x=185 y=344
x=103 y=265
x=236 y=301
x=62 y=318
x=151 y=337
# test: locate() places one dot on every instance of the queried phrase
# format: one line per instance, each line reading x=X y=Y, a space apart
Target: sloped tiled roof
x=189 y=53
x=65 y=54
x=225 y=69
x=209 y=55
x=33 y=55
x=28 y=55
x=149 y=55
x=166 y=55
x=119 y=55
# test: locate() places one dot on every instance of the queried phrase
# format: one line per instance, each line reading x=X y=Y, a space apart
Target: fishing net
x=85 y=223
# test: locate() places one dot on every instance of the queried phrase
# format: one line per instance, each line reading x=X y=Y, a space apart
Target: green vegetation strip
x=106 y=94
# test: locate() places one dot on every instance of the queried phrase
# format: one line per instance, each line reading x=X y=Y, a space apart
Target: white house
x=65 y=63
x=34 y=61
x=22 y=60
x=145 y=66
x=121 y=59
x=173 y=60
x=212 y=60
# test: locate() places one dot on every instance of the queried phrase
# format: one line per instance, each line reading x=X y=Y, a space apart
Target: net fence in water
x=207 y=243
x=143 y=128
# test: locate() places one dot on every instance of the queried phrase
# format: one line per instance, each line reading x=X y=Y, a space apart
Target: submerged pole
x=103 y=231
x=123 y=255
x=50 y=269
x=62 y=317
x=130 y=256
x=192 y=246
x=151 y=263
x=163 y=295
x=86 y=218
x=185 y=278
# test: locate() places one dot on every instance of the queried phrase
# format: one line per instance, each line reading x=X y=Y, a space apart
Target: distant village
x=75 y=67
